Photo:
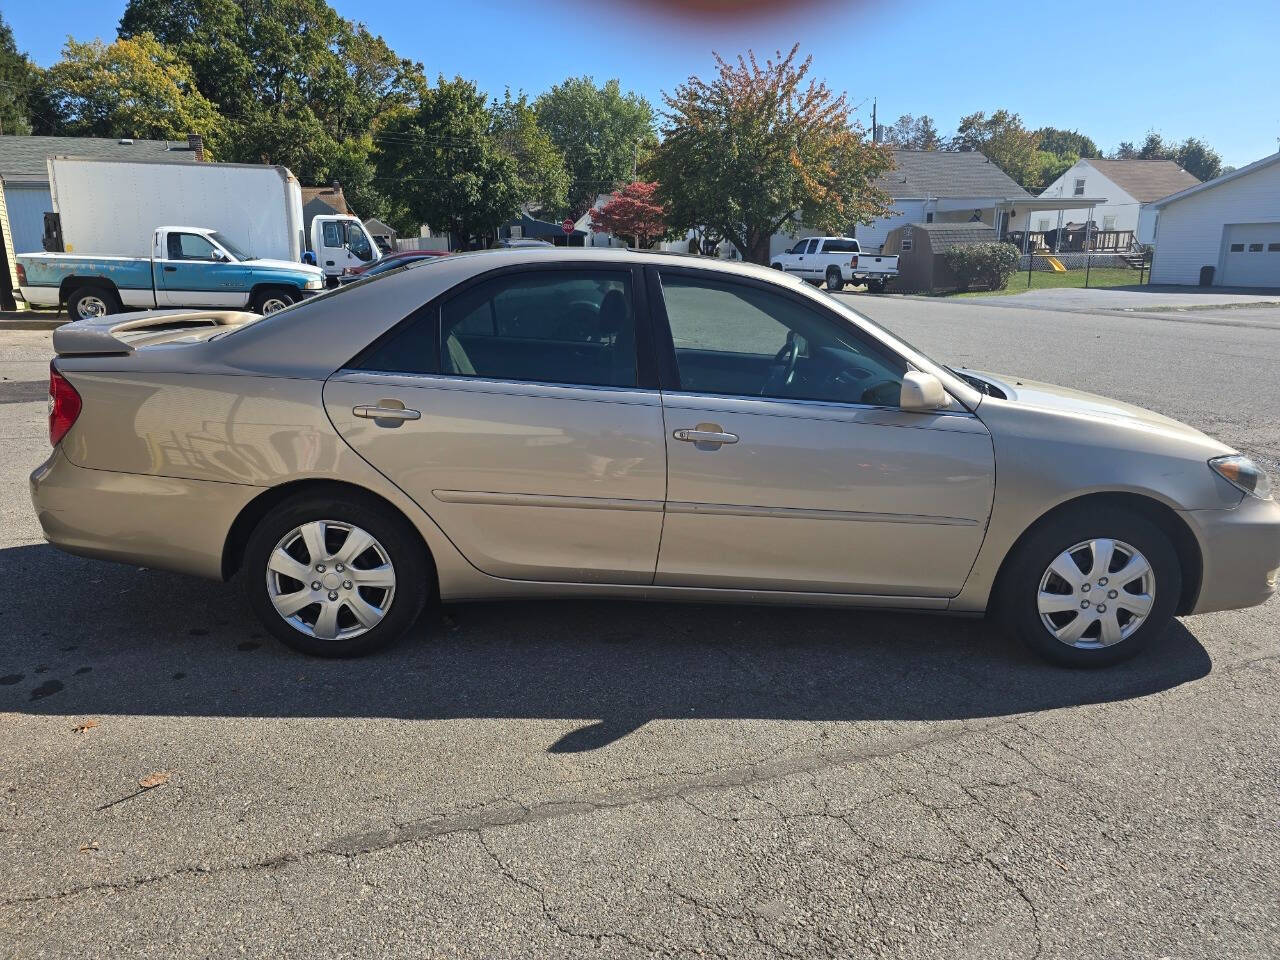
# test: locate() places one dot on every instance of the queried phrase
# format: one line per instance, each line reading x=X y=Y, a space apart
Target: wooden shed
x=919 y=248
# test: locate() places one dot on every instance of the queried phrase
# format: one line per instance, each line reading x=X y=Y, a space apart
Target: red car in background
x=406 y=255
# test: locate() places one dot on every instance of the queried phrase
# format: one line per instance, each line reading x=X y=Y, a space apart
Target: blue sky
x=1112 y=70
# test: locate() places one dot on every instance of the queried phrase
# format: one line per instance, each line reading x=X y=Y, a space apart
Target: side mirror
x=922 y=392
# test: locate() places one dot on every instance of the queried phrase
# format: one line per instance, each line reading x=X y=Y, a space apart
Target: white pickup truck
x=837 y=261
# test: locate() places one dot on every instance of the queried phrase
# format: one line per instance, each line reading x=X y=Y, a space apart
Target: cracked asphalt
x=572 y=779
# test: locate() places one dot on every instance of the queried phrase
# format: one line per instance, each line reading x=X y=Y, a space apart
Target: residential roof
x=944 y=173
x=1145 y=180
x=944 y=236
x=335 y=200
x=1225 y=178
x=25 y=158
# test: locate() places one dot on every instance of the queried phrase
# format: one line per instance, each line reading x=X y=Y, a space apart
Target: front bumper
x=160 y=522
x=1240 y=550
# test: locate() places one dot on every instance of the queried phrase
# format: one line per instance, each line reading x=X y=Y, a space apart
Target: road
x=618 y=780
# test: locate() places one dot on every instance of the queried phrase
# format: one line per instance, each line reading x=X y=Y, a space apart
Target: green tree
x=544 y=178
x=297 y=83
x=1193 y=154
x=1047 y=167
x=1004 y=141
x=912 y=133
x=758 y=148
x=17 y=75
x=452 y=173
x=602 y=132
x=130 y=88
x=1064 y=143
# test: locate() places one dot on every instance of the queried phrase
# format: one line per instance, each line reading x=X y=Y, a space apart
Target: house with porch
x=1130 y=187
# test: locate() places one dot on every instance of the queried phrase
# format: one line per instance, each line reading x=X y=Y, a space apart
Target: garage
x=1225 y=232
x=1252 y=256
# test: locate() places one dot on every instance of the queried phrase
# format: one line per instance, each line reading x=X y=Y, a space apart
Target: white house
x=1129 y=188
x=1231 y=224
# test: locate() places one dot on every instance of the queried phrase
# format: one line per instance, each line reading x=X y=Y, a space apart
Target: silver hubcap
x=272 y=305
x=1096 y=593
x=330 y=580
x=91 y=307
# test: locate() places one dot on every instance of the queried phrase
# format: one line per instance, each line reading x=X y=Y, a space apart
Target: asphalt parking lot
x=614 y=779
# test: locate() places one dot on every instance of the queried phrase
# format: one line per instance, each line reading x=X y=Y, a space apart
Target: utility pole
x=635 y=162
x=875 y=127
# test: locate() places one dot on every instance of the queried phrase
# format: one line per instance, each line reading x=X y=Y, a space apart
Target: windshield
x=230 y=247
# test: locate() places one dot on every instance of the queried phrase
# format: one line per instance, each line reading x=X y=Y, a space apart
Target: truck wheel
x=269 y=301
x=834 y=280
x=776 y=266
x=87 y=303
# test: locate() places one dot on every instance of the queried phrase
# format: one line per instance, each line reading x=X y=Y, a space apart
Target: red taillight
x=853 y=261
x=64 y=406
x=22 y=275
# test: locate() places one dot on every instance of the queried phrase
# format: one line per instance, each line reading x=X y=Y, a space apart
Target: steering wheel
x=788 y=357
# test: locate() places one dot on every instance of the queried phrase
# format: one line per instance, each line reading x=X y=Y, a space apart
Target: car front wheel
x=335 y=577
x=1091 y=588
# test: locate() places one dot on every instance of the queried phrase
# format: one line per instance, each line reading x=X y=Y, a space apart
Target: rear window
x=840 y=246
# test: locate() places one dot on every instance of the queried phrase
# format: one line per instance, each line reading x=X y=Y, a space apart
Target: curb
x=33 y=324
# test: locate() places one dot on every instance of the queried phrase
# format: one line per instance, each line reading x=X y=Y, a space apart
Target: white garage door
x=1253 y=255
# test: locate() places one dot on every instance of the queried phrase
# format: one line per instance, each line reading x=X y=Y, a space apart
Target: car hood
x=1065 y=400
x=289 y=265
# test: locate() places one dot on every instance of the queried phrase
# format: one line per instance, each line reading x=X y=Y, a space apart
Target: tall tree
x=759 y=147
x=130 y=88
x=1064 y=143
x=632 y=212
x=912 y=133
x=1003 y=139
x=1193 y=154
x=452 y=174
x=17 y=74
x=602 y=132
x=544 y=178
x=298 y=84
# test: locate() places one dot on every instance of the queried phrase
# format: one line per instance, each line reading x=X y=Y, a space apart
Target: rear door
x=790 y=465
x=517 y=412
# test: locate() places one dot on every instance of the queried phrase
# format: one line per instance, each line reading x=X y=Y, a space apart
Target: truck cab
x=339 y=242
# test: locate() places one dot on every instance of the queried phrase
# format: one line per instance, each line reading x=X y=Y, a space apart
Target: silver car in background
x=587 y=423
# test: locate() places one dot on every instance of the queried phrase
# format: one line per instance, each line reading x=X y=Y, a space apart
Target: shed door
x=1252 y=257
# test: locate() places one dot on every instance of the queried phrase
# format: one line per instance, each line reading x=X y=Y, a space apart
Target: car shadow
x=85 y=638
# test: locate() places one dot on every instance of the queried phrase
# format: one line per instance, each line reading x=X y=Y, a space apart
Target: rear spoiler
x=120 y=334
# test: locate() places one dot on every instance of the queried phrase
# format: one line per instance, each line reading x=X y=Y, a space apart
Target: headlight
x=1244 y=474
x=316 y=284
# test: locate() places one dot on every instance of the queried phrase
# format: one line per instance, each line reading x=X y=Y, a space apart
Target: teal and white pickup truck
x=188 y=267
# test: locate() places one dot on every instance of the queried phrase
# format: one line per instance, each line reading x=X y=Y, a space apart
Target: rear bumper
x=160 y=522
x=1241 y=554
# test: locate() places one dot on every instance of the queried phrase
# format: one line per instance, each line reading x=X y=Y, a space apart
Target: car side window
x=563 y=326
x=740 y=340
x=799 y=247
x=331 y=233
x=812 y=247
x=189 y=246
x=413 y=347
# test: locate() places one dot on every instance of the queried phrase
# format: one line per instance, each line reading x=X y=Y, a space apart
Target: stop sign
x=567 y=226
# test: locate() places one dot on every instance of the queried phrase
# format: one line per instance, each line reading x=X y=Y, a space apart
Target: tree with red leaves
x=632 y=212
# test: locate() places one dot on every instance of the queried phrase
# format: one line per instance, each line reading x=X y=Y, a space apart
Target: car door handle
x=697 y=435
x=170 y=269
x=385 y=413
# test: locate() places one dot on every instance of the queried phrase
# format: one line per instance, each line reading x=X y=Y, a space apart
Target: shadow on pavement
x=84 y=638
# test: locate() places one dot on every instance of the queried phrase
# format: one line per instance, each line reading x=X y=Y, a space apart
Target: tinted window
x=413 y=348
x=1237 y=248
x=799 y=247
x=811 y=247
x=741 y=340
x=556 y=327
x=840 y=246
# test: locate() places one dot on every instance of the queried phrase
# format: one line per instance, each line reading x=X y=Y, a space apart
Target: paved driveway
x=1139 y=298
x=621 y=780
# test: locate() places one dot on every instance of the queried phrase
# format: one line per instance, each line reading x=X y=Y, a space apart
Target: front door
x=512 y=412
x=790 y=466
x=190 y=275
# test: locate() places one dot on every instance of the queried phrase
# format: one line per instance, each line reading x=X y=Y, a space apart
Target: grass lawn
x=1044 y=279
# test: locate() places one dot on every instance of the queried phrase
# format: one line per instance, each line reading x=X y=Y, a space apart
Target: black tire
x=835 y=281
x=1016 y=602
x=264 y=300
x=776 y=266
x=82 y=297
x=404 y=549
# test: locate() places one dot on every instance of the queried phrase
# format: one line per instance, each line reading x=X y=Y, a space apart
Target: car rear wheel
x=1091 y=588
x=834 y=280
x=269 y=301
x=335 y=577
x=90 y=302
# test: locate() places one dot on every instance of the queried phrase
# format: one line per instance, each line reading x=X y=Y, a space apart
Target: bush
x=982 y=266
